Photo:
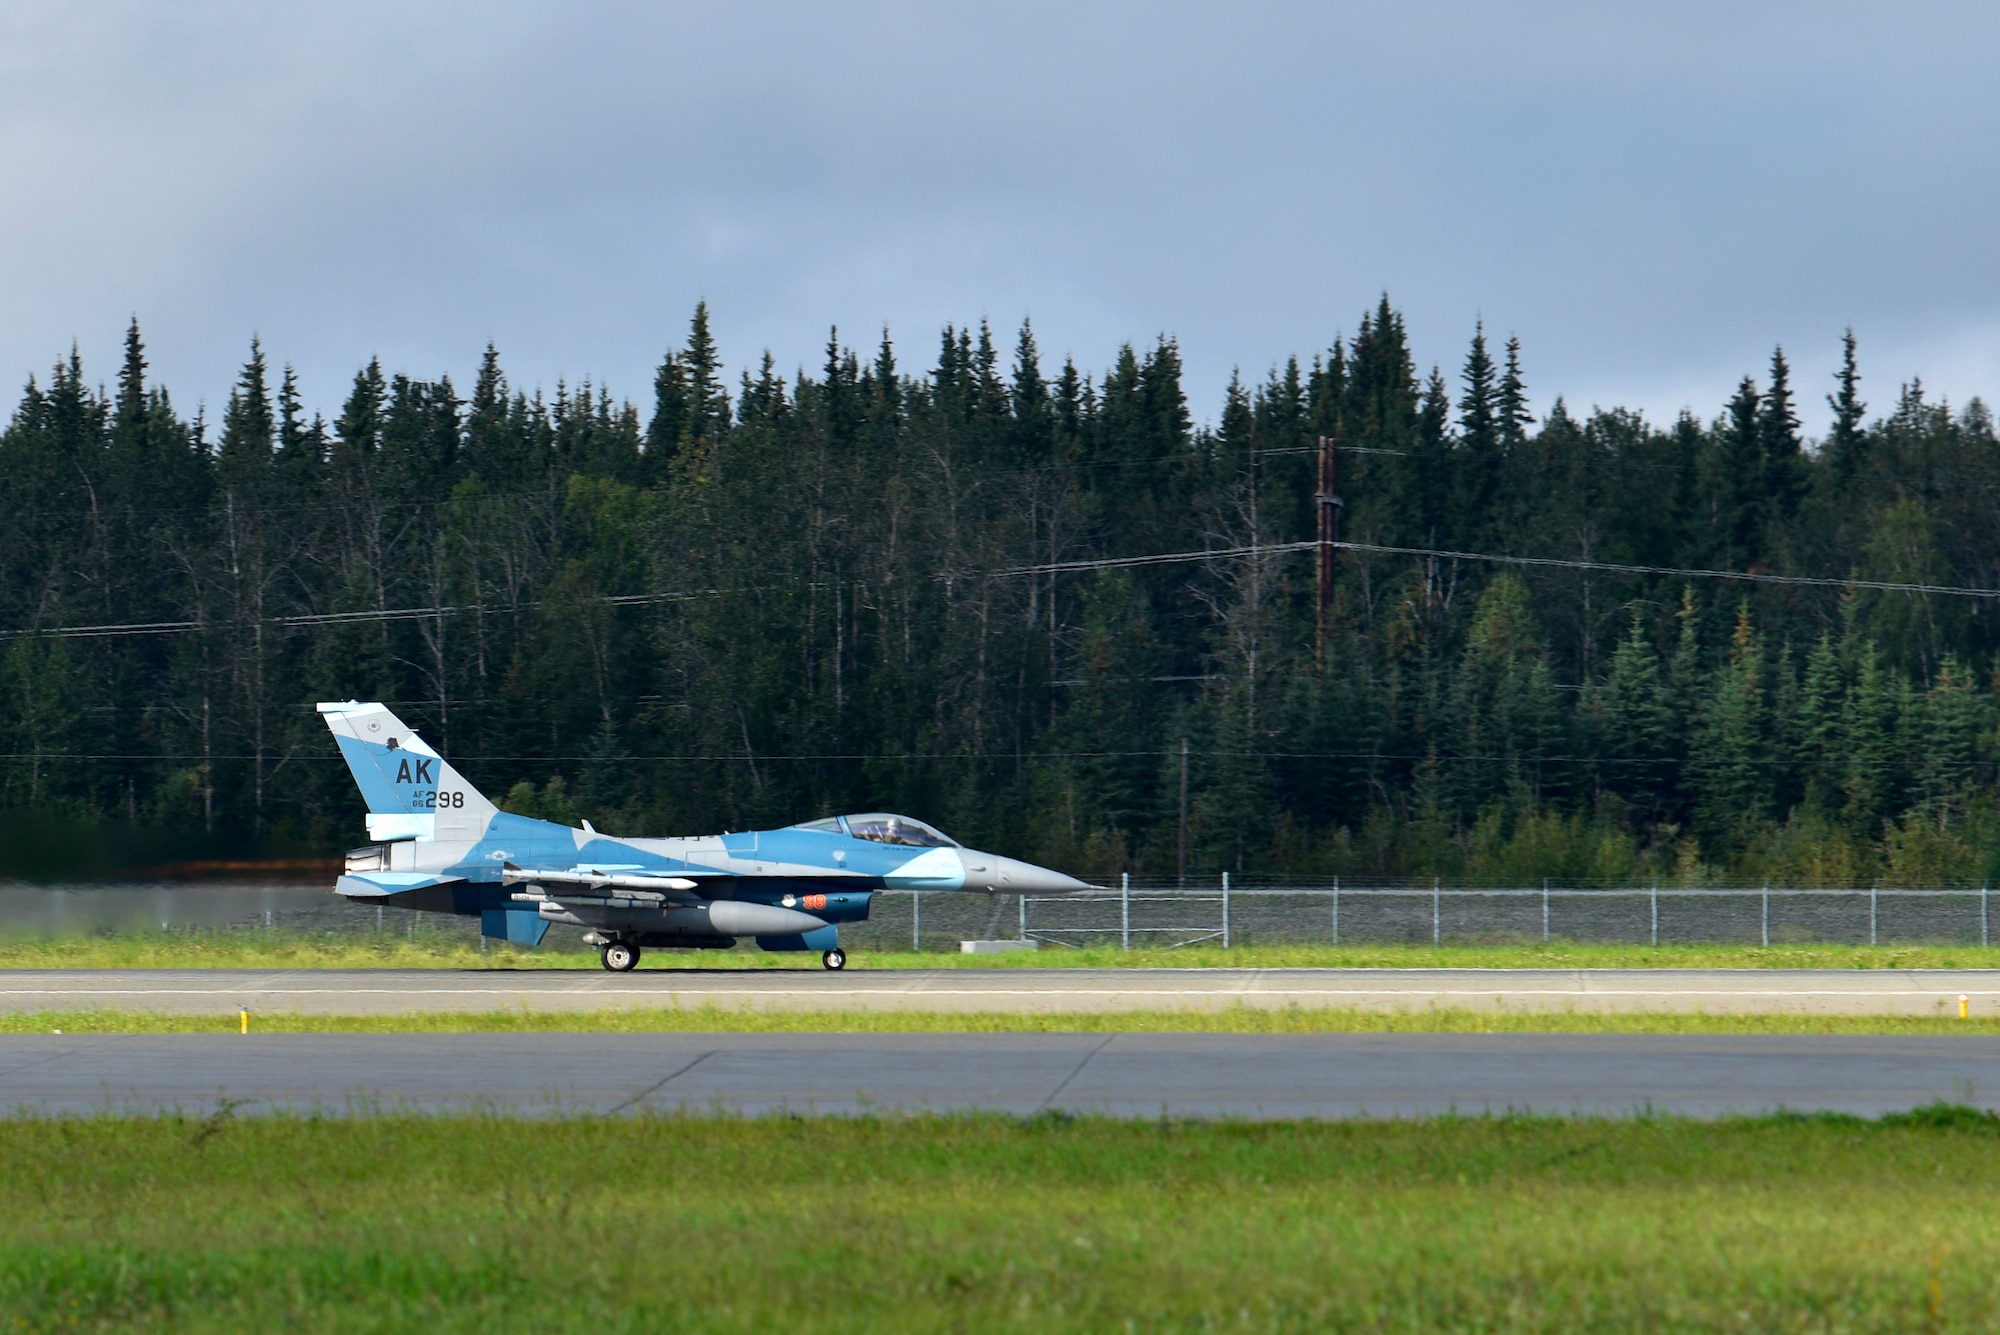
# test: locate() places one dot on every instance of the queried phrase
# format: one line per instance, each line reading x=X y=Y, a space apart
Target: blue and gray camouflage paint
x=441 y=846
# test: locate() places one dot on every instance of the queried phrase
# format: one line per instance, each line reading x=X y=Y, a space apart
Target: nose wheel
x=620 y=956
x=835 y=959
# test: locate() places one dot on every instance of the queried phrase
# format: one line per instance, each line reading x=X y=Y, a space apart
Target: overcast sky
x=1651 y=196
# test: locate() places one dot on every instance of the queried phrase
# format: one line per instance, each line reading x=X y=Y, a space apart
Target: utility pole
x=1328 y=505
x=1184 y=767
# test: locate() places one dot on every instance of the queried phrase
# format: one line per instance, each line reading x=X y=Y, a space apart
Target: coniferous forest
x=740 y=603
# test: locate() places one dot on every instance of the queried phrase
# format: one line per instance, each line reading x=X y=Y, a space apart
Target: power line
x=314 y=619
x=1157 y=559
x=1755 y=577
x=1253 y=552
x=1610 y=567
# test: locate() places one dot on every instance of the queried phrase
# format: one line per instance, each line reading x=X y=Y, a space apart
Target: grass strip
x=279 y=949
x=1234 y=1019
x=988 y=1223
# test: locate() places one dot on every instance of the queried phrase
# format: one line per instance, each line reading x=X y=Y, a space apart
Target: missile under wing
x=439 y=845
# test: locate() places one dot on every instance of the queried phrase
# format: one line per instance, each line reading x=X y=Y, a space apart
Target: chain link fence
x=1142 y=916
x=1135 y=915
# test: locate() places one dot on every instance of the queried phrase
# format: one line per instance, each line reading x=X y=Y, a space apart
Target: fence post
x=1024 y=917
x=1225 y=910
x=1124 y=910
x=1872 y=920
x=1982 y=913
x=916 y=921
x=1767 y=917
x=1336 y=910
x=1545 y=910
x=1437 y=919
x=1656 y=913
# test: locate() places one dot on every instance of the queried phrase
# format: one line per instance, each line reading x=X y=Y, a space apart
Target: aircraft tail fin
x=410 y=789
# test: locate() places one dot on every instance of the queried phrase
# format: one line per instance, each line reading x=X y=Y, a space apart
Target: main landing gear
x=835 y=959
x=621 y=956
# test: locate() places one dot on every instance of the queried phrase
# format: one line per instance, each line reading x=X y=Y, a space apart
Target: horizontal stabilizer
x=376 y=884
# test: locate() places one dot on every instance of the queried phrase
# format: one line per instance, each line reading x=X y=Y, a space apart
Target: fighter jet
x=441 y=846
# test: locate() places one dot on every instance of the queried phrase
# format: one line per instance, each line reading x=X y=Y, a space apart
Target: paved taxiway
x=1044 y=991
x=1145 y=1075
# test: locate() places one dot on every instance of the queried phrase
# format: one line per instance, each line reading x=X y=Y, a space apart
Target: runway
x=1018 y=990
x=1143 y=1075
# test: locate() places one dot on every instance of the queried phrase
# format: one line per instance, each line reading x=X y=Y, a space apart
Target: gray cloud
x=1650 y=196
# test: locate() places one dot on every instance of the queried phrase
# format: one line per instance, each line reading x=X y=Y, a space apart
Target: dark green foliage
x=809 y=596
x=1845 y=442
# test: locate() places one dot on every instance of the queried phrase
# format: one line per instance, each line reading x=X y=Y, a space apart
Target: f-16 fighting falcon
x=440 y=846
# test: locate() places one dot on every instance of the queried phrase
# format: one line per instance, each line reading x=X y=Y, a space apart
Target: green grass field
x=444 y=1225
x=391 y=950
x=711 y=1019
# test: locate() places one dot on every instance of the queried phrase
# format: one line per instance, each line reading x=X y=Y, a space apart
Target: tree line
x=871 y=587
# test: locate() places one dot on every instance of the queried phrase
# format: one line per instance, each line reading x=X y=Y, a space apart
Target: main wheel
x=620 y=956
x=834 y=959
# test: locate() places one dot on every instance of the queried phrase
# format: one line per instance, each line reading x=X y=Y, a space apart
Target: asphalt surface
x=1146 y=1075
x=1030 y=990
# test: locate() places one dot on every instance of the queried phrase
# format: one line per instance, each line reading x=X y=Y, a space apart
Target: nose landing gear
x=835 y=959
x=620 y=956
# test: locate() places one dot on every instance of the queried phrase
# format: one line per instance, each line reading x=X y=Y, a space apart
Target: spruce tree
x=1480 y=464
x=291 y=413
x=1379 y=407
x=992 y=407
x=1636 y=722
x=1729 y=757
x=1956 y=723
x=1778 y=432
x=1033 y=426
x=1071 y=411
x=1686 y=690
x=131 y=414
x=1326 y=390
x=672 y=422
x=497 y=451
x=840 y=401
x=1479 y=405
x=1868 y=736
x=1818 y=727
x=708 y=401
x=886 y=403
x=1846 y=441
x=1515 y=419
x=1431 y=474
x=357 y=431
x=249 y=428
x=1736 y=477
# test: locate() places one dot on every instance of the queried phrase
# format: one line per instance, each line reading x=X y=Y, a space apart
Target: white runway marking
x=1038 y=991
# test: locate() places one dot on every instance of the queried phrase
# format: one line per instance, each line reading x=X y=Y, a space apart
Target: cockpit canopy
x=882 y=827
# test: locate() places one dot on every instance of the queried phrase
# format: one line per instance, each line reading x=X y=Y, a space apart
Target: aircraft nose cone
x=1025 y=878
